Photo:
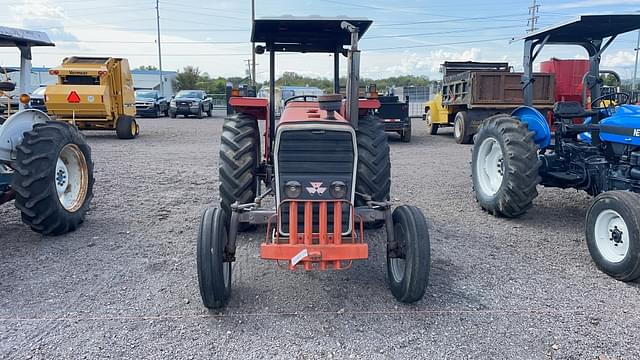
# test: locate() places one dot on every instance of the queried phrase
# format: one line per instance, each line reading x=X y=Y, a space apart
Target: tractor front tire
x=127 y=128
x=374 y=165
x=408 y=269
x=505 y=166
x=214 y=274
x=54 y=178
x=613 y=234
x=239 y=159
x=462 y=132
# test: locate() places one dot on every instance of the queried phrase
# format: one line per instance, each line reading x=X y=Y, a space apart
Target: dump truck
x=395 y=116
x=473 y=91
x=94 y=93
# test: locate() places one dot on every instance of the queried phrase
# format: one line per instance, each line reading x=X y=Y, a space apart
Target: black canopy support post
x=336 y=72
x=353 y=75
x=593 y=78
x=527 y=75
x=272 y=97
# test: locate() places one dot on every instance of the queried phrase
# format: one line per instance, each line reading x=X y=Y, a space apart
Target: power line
x=441 y=44
x=442 y=32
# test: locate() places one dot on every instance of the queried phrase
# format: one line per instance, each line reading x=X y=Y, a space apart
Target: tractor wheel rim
x=226 y=274
x=490 y=166
x=397 y=268
x=133 y=128
x=429 y=123
x=457 y=129
x=71 y=178
x=398 y=264
x=612 y=236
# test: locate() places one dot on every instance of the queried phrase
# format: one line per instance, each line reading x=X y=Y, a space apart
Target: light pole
x=635 y=69
x=159 y=48
x=253 y=45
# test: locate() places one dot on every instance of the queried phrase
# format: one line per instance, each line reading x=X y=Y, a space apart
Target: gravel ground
x=125 y=285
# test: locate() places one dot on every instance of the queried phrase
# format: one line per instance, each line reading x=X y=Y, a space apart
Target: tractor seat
x=570 y=109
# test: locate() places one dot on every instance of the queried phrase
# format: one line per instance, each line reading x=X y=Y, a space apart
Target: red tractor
x=326 y=161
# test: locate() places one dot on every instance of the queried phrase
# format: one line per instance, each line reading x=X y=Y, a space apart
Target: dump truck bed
x=495 y=89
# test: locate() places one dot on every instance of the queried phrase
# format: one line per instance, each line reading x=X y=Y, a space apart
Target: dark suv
x=190 y=102
x=150 y=103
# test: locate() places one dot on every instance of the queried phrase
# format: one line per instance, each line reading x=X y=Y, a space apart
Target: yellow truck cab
x=94 y=93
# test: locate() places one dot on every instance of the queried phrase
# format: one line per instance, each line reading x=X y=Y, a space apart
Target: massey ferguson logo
x=316 y=188
x=636 y=132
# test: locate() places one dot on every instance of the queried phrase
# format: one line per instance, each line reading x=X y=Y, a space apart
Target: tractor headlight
x=292 y=189
x=338 y=189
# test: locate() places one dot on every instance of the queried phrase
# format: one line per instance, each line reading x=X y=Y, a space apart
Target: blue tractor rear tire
x=505 y=166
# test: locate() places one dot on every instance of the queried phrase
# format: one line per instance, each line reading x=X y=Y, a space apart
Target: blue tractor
x=600 y=154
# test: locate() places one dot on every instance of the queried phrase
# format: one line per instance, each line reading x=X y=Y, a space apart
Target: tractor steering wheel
x=304 y=97
x=617 y=98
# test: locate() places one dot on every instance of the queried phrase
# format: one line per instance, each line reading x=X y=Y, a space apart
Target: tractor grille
x=315 y=158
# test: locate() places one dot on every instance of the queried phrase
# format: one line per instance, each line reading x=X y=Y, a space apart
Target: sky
x=408 y=37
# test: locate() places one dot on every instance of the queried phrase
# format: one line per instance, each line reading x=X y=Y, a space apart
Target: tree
x=186 y=79
x=148 y=67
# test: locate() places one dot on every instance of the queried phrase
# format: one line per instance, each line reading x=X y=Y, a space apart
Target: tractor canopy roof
x=305 y=34
x=586 y=28
x=12 y=37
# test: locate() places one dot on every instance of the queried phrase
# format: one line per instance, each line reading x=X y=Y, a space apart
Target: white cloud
x=619 y=59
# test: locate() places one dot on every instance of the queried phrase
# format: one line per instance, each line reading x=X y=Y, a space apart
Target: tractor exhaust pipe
x=353 y=75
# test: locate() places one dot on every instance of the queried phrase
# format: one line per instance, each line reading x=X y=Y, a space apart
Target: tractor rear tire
x=462 y=132
x=214 y=274
x=127 y=128
x=409 y=273
x=374 y=165
x=54 y=178
x=616 y=253
x=239 y=160
x=431 y=127
x=505 y=166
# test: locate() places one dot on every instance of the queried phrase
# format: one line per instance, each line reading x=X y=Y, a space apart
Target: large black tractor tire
x=214 y=274
x=127 y=128
x=239 y=160
x=431 y=127
x=462 y=131
x=374 y=165
x=54 y=178
x=408 y=271
x=505 y=166
x=613 y=234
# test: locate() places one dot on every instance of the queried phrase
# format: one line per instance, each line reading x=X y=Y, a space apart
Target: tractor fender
x=257 y=107
x=536 y=122
x=13 y=129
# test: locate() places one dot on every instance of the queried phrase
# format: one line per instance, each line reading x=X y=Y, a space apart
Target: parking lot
x=125 y=285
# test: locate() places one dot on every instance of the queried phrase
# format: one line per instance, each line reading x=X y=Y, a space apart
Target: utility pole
x=635 y=69
x=534 y=9
x=159 y=48
x=249 y=71
x=253 y=45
